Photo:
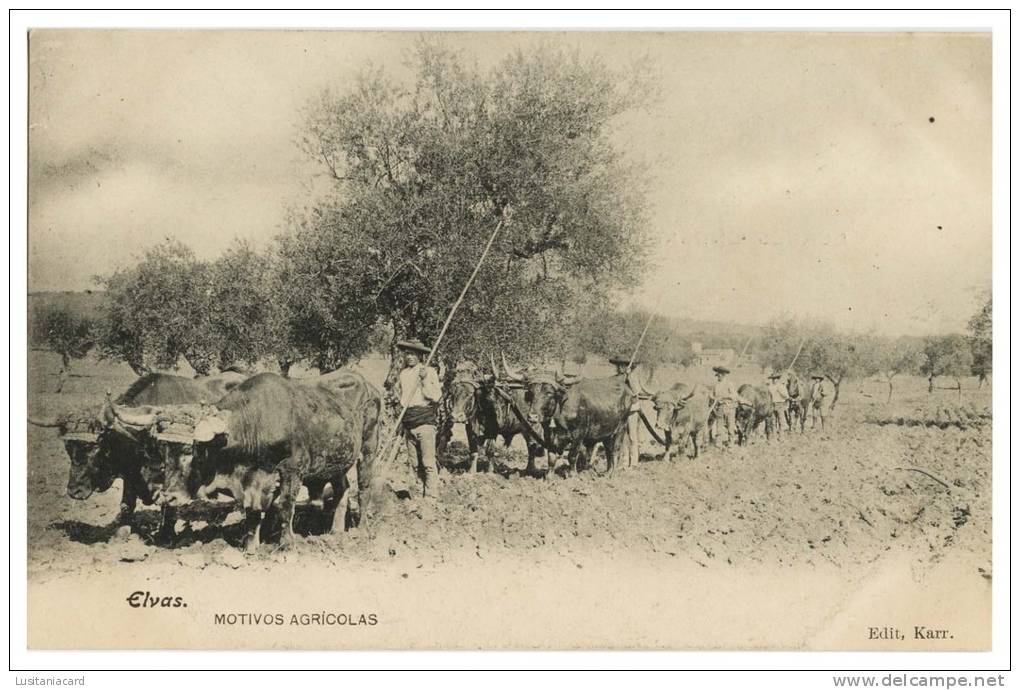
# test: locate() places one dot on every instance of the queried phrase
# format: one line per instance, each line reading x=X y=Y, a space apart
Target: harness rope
x=651 y=429
x=528 y=430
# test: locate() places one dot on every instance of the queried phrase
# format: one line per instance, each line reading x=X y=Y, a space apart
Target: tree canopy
x=980 y=327
x=63 y=331
x=897 y=356
x=422 y=173
x=213 y=314
x=155 y=309
x=948 y=355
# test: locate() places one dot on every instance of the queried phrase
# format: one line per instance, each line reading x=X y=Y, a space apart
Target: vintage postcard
x=509 y=340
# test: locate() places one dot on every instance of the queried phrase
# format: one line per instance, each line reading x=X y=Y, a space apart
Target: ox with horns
x=271 y=435
x=581 y=413
x=682 y=412
x=754 y=409
x=799 y=391
x=103 y=448
x=484 y=405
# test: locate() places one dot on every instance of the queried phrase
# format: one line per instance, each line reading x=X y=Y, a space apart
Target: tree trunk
x=835 y=395
x=65 y=368
x=201 y=365
x=889 y=399
x=139 y=368
x=959 y=390
x=395 y=363
x=391 y=384
x=931 y=385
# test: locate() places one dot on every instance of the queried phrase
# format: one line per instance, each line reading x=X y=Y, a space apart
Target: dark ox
x=102 y=448
x=800 y=400
x=271 y=435
x=581 y=414
x=486 y=414
x=682 y=411
x=757 y=411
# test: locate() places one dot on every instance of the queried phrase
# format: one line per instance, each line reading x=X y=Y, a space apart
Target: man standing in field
x=624 y=368
x=420 y=392
x=724 y=404
x=819 y=405
x=780 y=399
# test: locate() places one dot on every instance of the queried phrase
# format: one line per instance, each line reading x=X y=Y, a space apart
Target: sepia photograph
x=509 y=340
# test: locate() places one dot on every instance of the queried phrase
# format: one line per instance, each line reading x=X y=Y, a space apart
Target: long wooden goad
x=390 y=448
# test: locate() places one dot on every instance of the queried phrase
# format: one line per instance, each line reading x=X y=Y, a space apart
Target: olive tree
x=780 y=344
x=840 y=356
x=422 y=173
x=947 y=355
x=896 y=356
x=64 y=332
x=156 y=310
x=246 y=316
x=980 y=327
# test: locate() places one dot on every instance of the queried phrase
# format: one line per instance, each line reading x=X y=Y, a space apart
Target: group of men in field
x=726 y=398
x=420 y=393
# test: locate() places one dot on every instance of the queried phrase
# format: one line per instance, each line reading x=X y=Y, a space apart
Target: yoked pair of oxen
x=567 y=415
x=261 y=439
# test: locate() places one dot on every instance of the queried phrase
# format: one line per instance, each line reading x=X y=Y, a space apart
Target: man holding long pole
x=415 y=381
x=420 y=392
x=625 y=367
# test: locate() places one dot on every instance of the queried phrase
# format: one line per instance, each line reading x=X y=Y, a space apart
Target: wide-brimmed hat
x=775 y=376
x=412 y=346
x=720 y=370
x=818 y=376
x=622 y=359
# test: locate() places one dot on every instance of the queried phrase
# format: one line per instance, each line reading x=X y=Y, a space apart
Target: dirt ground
x=804 y=542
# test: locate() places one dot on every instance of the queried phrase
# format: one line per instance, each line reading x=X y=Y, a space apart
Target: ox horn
x=559 y=376
x=510 y=373
x=492 y=365
x=43 y=422
x=129 y=418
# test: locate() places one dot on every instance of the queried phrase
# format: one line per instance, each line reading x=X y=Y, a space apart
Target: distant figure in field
x=819 y=405
x=781 y=400
x=724 y=404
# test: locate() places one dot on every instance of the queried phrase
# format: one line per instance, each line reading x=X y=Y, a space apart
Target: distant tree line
x=234 y=312
x=839 y=357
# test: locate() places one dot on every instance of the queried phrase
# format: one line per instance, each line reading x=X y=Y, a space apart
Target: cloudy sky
x=837 y=176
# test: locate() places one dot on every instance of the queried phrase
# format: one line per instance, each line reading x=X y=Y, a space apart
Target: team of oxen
x=567 y=417
x=264 y=437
